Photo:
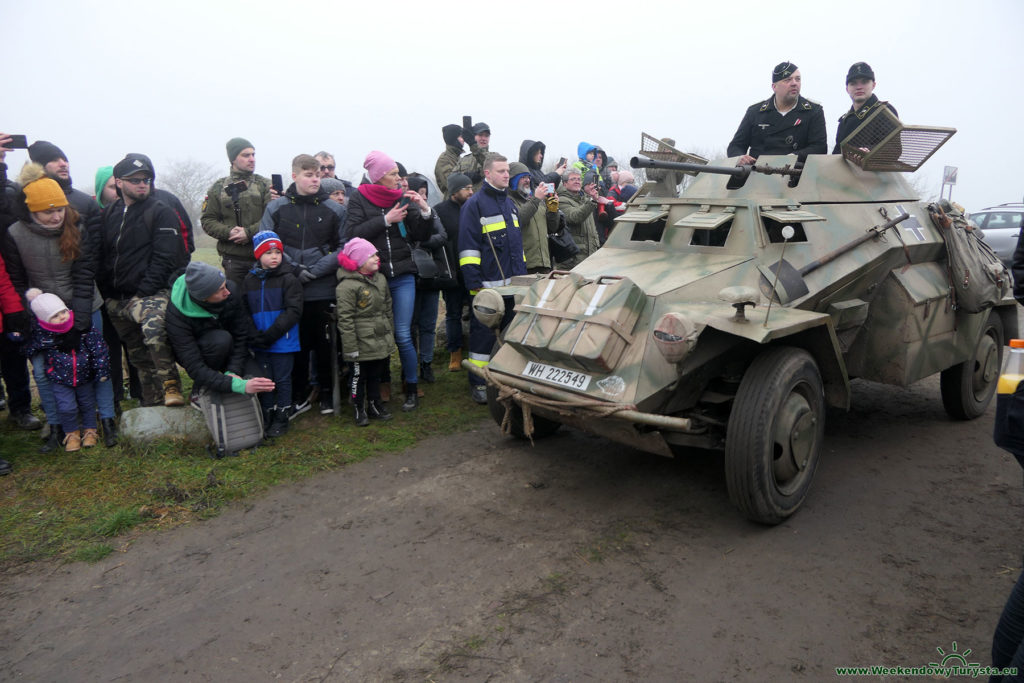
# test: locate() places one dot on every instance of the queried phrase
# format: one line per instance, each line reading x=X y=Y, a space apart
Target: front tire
x=968 y=387
x=774 y=435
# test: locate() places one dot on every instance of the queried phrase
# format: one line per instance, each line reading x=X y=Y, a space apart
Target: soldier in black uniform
x=783 y=124
x=860 y=84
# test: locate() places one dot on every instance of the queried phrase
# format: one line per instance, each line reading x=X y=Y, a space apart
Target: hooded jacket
x=366 y=321
x=219 y=218
x=527 y=150
x=490 y=241
x=449 y=158
x=188 y=320
x=312 y=230
x=585 y=166
x=273 y=300
x=535 y=220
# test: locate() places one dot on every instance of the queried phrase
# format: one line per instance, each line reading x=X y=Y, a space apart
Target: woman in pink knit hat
x=391 y=220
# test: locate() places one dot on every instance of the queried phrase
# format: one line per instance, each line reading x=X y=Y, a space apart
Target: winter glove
x=69 y=341
x=552 y=202
x=260 y=340
x=468 y=137
x=18 y=323
x=306 y=276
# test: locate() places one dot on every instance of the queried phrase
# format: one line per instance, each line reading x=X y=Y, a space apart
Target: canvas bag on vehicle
x=531 y=329
x=978 y=279
x=603 y=314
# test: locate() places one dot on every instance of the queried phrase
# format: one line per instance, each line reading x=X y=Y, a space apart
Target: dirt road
x=479 y=558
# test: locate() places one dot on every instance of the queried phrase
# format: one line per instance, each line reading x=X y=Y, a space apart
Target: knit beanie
x=103 y=174
x=457 y=181
x=515 y=170
x=202 y=280
x=264 y=241
x=451 y=134
x=331 y=185
x=44 y=194
x=418 y=181
x=43 y=152
x=235 y=147
x=44 y=305
x=355 y=253
x=377 y=165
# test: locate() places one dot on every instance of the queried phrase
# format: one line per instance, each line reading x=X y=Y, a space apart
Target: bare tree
x=189 y=180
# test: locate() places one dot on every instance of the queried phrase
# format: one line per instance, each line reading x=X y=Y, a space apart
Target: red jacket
x=10 y=302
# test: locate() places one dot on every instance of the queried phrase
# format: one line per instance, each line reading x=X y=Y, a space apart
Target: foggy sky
x=177 y=80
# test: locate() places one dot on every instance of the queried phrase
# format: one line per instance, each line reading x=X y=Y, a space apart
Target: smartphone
x=467 y=123
x=561 y=161
x=551 y=187
x=403 y=202
x=18 y=142
x=277 y=183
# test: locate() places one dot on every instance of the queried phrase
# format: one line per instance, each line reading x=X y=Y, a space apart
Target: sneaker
x=193 y=401
x=479 y=394
x=412 y=400
x=172 y=394
x=26 y=421
x=298 y=409
x=5 y=467
x=326 y=405
x=375 y=410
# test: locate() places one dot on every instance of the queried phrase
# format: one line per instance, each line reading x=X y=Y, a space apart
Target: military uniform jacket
x=764 y=130
x=219 y=212
x=851 y=120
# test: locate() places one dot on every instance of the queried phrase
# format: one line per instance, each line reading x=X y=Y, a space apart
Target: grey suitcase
x=235 y=421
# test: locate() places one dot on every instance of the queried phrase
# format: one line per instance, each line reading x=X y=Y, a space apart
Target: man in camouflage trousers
x=138 y=249
x=233 y=208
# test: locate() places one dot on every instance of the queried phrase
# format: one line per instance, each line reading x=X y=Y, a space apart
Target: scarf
x=380 y=196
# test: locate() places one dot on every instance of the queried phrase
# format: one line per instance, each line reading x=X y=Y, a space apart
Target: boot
x=411 y=398
x=90 y=437
x=361 y=418
x=375 y=410
x=406 y=389
x=278 y=423
x=172 y=394
x=54 y=441
x=455 y=361
x=427 y=373
x=73 y=441
x=385 y=392
x=109 y=425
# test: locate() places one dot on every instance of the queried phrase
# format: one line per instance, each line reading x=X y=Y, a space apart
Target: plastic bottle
x=1013 y=368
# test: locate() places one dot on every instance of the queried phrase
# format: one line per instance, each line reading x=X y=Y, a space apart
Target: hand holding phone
x=14 y=141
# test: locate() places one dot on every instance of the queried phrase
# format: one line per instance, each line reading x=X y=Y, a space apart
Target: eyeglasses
x=137 y=181
x=327 y=168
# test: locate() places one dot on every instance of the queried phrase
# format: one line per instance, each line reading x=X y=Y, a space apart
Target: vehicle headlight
x=675 y=335
x=489 y=308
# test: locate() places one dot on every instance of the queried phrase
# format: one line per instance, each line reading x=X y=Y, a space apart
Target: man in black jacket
x=785 y=123
x=138 y=250
x=860 y=85
x=209 y=329
x=55 y=163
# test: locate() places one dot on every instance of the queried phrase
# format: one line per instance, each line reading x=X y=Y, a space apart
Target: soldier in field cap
x=860 y=85
x=785 y=123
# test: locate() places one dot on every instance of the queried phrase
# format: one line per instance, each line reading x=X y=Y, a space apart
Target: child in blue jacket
x=73 y=361
x=273 y=297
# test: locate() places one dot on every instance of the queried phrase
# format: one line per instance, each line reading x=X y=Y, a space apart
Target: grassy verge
x=72 y=506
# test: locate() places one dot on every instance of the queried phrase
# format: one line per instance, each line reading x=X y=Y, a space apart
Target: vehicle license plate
x=549 y=373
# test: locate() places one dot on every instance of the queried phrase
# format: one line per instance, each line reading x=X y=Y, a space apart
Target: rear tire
x=775 y=432
x=968 y=387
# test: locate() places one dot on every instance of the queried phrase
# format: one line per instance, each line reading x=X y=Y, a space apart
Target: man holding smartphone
x=233 y=208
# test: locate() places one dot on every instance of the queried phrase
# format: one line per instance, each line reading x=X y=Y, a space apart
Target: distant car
x=1000 y=226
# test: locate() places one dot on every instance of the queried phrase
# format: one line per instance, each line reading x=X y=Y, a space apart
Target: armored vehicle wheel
x=774 y=435
x=967 y=388
x=541 y=425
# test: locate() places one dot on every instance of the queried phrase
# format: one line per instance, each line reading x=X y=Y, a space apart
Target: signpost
x=948 y=178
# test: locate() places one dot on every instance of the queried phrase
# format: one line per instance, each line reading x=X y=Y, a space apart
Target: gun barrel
x=646 y=162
